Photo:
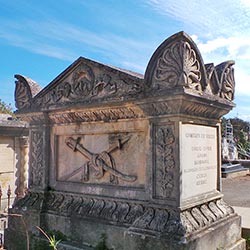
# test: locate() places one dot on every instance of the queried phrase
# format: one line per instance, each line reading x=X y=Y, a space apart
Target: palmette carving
x=178 y=66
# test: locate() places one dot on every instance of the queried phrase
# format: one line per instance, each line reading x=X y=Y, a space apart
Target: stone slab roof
x=7 y=120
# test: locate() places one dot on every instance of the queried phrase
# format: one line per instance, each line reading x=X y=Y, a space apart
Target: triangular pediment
x=87 y=81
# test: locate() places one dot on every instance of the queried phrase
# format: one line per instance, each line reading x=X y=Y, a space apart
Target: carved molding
x=138 y=217
x=37 y=167
x=201 y=110
x=108 y=114
x=204 y=215
x=164 y=162
x=157 y=108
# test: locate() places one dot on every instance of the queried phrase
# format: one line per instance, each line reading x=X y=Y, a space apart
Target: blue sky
x=39 y=39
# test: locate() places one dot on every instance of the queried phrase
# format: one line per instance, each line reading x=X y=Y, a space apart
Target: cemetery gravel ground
x=237 y=191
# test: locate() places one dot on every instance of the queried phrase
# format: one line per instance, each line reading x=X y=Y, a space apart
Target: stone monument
x=231 y=167
x=13 y=159
x=135 y=157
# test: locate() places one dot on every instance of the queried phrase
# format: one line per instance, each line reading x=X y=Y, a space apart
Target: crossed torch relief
x=101 y=163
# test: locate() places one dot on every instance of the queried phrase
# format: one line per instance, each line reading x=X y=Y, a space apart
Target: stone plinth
x=135 y=157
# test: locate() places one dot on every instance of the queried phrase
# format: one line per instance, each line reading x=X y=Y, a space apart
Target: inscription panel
x=199 y=159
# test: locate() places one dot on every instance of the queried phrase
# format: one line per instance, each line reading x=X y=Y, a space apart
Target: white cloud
x=242 y=80
x=67 y=42
x=210 y=18
x=235 y=47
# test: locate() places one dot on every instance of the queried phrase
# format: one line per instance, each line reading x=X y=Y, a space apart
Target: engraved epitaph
x=199 y=159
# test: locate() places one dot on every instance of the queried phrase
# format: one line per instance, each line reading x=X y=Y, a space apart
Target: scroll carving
x=221 y=79
x=165 y=163
x=227 y=80
x=36 y=161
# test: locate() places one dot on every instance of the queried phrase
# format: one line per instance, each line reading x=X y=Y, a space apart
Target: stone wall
x=13 y=159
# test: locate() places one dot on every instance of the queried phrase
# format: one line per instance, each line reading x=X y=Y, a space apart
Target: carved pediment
x=87 y=81
x=176 y=63
x=176 y=67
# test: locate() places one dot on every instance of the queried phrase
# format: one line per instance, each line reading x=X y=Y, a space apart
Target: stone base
x=242 y=172
x=224 y=235
x=127 y=226
x=232 y=170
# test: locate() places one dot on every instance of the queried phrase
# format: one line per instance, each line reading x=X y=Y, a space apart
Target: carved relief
x=213 y=86
x=82 y=82
x=100 y=163
x=221 y=79
x=164 y=182
x=179 y=66
x=24 y=91
x=156 y=109
x=204 y=215
x=104 y=209
x=85 y=85
x=36 y=161
x=226 y=72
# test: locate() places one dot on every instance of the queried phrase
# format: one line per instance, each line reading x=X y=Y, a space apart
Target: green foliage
x=247 y=243
x=41 y=245
x=58 y=235
x=53 y=242
x=241 y=132
x=5 y=108
x=223 y=126
x=102 y=244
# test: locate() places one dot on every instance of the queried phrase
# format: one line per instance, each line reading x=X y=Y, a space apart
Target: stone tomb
x=13 y=159
x=135 y=157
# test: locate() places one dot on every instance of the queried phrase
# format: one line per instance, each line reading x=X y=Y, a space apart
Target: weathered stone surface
x=13 y=159
x=131 y=156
